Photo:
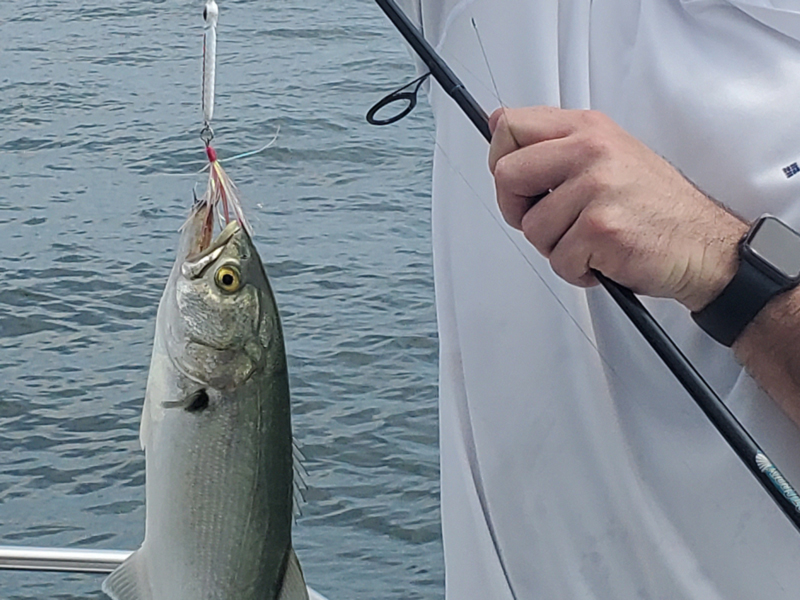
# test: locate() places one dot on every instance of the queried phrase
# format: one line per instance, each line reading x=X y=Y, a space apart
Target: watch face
x=778 y=245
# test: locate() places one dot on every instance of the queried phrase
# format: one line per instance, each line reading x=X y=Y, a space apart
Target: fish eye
x=228 y=278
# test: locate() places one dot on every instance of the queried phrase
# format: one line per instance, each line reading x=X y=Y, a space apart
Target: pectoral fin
x=195 y=402
x=294 y=586
x=129 y=581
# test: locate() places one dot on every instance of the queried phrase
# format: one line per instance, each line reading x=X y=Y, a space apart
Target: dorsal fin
x=299 y=480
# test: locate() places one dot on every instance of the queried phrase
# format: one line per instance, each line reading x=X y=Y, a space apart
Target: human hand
x=614 y=206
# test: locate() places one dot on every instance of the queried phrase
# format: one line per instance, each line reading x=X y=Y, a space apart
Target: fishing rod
x=684 y=371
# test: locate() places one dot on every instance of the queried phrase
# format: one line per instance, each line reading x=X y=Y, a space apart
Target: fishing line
x=712 y=406
x=518 y=245
x=247 y=154
x=515 y=242
x=503 y=106
x=491 y=75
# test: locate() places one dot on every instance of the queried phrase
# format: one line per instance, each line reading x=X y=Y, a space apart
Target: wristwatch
x=769 y=264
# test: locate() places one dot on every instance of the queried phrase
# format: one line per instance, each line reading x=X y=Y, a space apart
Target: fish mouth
x=194 y=265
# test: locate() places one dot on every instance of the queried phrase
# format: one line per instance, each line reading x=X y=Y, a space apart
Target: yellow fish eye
x=228 y=278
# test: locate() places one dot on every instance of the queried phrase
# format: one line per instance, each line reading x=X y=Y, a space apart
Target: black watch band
x=769 y=263
x=725 y=317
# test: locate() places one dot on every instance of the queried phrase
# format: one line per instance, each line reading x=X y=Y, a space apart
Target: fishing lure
x=221 y=193
x=210 y=16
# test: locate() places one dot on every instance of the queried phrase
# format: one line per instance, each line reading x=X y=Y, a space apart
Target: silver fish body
x=217 y=435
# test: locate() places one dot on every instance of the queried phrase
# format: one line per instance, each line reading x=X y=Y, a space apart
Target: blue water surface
x=99 y=148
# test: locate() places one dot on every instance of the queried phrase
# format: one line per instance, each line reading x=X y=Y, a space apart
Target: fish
x=216 y=431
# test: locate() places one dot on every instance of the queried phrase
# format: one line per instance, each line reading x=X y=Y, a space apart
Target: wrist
x=769 y=265
x=717 y=262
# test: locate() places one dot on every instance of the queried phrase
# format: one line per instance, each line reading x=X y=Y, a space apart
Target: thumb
x=503 y=141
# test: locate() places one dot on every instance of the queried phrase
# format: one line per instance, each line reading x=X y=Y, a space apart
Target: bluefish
x=216 y=433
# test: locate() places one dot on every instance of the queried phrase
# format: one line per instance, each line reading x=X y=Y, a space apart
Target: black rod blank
x=706 y=398
x=439 y=69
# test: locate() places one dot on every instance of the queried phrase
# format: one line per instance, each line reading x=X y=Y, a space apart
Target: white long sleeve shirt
x=573 y=464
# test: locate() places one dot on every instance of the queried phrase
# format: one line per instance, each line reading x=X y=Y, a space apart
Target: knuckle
x=566 y=267
x=534 y=232
x=595 y=138
x=558 y=264
x=603 y=221
x=511 y=208
x=589 y=149
x=595 y=118
x=507 y=210
x=503 y=171
x=592 y=146
x=595 y=183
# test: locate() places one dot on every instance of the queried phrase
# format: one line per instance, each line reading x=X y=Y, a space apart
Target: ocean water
x=99 y=150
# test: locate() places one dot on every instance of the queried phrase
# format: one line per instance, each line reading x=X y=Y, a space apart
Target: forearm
x=769 y=348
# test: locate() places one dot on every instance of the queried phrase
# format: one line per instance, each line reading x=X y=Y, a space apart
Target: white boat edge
x=72 y=560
